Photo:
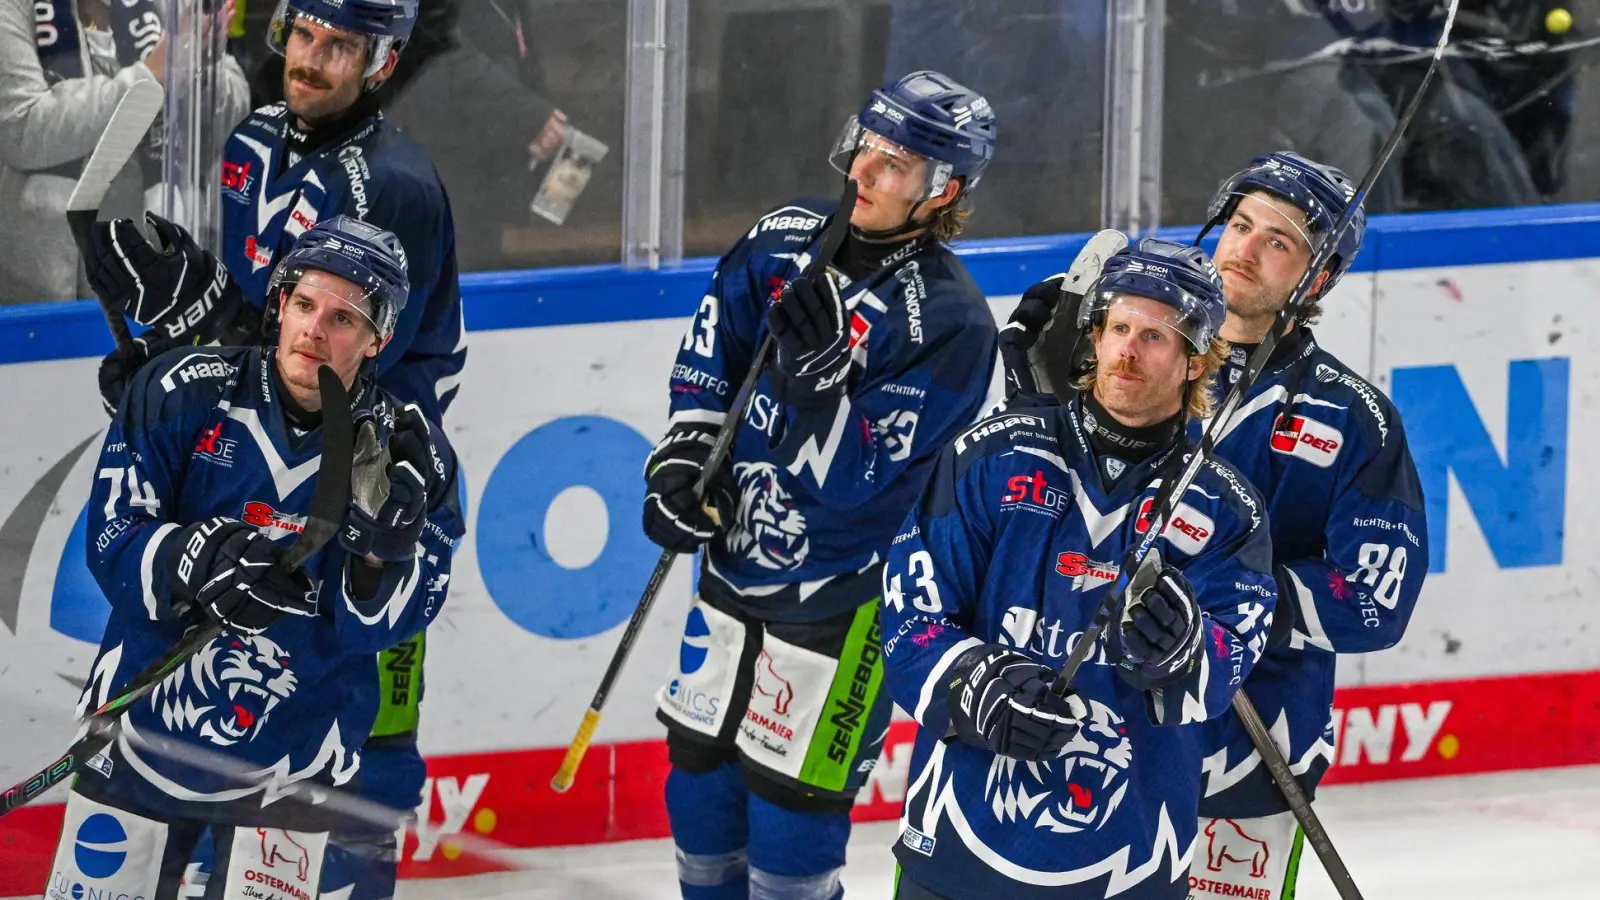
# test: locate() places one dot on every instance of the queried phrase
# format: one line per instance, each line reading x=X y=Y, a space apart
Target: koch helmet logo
x=100 y=846
x=696 y=643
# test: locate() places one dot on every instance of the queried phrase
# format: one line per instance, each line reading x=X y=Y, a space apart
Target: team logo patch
x=227 y=690
x=1078 y=791
x=1189 y=530
x=272 y=523
x=1307 y=439
x=768 y=531
x=1086 y=574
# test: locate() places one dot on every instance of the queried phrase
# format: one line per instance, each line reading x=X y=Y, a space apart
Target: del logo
x=272 y=523
x=1085 y=572
x=258 y=255
x=1033 y=493
x=858 y=329
x=1307 y=439
x=236 y=177
x=1190 y=529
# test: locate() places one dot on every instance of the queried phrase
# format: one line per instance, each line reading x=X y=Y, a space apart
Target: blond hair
x=1202 y=402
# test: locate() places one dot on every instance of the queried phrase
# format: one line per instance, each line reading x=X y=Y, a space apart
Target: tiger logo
x=1077 y=791
x=226 y=691
x=768 y=530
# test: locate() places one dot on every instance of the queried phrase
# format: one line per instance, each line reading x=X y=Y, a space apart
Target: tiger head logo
x=1077 y=791
x=768 y=530
x=226 y=691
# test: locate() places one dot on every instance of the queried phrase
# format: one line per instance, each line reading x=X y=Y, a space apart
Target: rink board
x=1481 y=327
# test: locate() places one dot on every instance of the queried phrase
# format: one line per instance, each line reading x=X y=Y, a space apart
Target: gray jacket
x=43 y=126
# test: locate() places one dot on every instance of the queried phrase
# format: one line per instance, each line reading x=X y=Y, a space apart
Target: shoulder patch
x=1002 y=424
x=789 y=218
x=195 y=366
x=1370 y=397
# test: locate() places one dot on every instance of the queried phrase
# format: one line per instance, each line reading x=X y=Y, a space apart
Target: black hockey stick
x=832 y=240
x=129 y=123
x=328 y=502
x=1172 y=491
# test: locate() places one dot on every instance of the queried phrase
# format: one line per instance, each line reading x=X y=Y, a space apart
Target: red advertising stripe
x=1384 y=732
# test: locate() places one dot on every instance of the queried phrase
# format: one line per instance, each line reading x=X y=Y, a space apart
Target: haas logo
x=278 y=847
x=770 y=684
x=1227 y=842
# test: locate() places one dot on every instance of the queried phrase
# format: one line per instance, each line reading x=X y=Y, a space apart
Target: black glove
x=1042 y=347
x=809 y=323
x=181 y=290
x=231 y=570
x=1158 y=639
x=392 y=489
x=673 y=517
x=1001 y=700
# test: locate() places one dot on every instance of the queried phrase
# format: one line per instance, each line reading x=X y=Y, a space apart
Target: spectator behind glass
x=1041 y=64
x=60 y=79
x=1329 y=82
x=468 y=91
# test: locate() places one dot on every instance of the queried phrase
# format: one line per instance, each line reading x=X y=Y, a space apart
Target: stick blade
x=129 y=123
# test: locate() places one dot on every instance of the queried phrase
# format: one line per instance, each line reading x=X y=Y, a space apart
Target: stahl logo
x=1085 y=573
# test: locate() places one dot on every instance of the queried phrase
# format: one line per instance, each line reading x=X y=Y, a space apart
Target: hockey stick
x=832 y=240
x=1316 y=835
x=328 y=502
x=1166 y=500
x=129 y=122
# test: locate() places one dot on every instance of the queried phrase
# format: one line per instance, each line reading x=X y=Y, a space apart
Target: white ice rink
x=1514 y=836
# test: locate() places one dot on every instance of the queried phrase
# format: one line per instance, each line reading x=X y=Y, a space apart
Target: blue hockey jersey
x=371 y=173
x=201 y=433
x=1350 y=551
x=821 y=490
x=1016 y=541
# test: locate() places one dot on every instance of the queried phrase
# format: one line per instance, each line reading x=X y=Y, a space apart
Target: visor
x=886 y=165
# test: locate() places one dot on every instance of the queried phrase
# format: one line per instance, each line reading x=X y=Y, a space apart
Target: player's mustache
x=1124 y=367
x=310 y=77
x=1246 y=271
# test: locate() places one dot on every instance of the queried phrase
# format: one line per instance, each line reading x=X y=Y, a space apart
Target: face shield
x=1265 y=214
x=339 y=53
x=877 y=162
x=1183 y=320
x=353 y=307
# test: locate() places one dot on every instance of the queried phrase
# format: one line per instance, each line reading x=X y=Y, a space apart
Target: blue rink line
x=582 y=295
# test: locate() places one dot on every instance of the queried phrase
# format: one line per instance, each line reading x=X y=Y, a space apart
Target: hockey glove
x=176 y=287
x=673 y=517
x=1042 y=347
x=1001 y=700
x=231 y=570
x=810 y=325
x=391 y=487
x=1158 y=639
x=122 y=363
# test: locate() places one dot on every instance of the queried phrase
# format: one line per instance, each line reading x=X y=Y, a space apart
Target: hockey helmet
x=1321 y=192
x=924 y=115
x=1177 y=275
x=387 y=22
x=359 y=252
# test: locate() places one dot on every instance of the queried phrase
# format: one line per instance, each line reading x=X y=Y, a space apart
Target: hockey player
x=206 y=473
x=1016 y=791
x=1350 y=539
x=325 y=151
x=1328 y=451
x=774 y=712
